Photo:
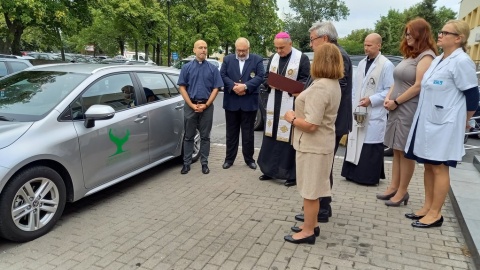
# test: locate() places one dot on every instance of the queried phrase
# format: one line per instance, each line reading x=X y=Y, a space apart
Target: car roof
x=93 y=68
x=15 y=60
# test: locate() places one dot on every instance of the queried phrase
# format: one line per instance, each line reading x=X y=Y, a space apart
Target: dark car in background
x=11 y=65
x=262 y=102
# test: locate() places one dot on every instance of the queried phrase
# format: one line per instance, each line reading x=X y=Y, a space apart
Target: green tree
x=353 y=43
x=428 y=11
x=390 y=27
x=306 y=12
x=54 y=17
x=262 y=24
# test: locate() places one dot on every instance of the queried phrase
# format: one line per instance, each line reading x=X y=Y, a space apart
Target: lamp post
x=168 y=34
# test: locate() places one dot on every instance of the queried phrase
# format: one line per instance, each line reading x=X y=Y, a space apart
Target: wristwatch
x=396 y=102
x=246 y=87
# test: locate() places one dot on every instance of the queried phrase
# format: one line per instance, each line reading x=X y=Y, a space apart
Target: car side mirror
x=98 y=112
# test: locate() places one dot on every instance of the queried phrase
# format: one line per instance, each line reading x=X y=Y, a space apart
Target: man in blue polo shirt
x=199 y=83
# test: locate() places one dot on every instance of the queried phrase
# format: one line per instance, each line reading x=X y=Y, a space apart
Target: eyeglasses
x=445 y=33
x=242 y=51
x=312 y=39
x=407 y=34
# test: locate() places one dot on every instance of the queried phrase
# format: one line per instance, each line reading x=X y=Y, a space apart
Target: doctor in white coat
x=364 y=157
x=448 y=98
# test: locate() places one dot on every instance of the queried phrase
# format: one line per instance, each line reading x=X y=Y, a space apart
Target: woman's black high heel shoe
x=418 y=224
x=413 y=216
x=386 y=197
x=316 y=230
x=404 y=200
x=307 y=240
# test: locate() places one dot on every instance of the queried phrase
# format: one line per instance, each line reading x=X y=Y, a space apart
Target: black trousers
x=237 y=121
x=325 y=201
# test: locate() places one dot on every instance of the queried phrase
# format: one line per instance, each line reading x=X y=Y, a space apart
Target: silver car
x=70 y=130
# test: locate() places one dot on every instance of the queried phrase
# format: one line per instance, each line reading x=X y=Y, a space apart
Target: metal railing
x=476 y=126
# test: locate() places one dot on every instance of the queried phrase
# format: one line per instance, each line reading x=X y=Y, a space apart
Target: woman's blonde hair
x=463 y=30
x=327 y=62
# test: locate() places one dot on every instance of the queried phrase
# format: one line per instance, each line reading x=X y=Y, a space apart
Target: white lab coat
x=441 y=113
x=375 y=130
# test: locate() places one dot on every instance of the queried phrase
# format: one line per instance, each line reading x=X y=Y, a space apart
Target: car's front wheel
x=31 y=204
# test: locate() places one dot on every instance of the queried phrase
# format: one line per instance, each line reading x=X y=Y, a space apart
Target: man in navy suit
x=242 y=74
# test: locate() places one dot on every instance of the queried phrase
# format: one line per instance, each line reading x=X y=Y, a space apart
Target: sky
x=364 y=14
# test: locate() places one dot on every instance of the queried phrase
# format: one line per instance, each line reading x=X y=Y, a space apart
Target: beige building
x=470 y=12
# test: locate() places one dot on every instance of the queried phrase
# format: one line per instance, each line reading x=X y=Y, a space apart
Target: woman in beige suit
x=314 y=136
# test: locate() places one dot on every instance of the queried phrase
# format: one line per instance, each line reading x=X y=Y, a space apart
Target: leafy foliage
x=309 y=11
x=390 y=27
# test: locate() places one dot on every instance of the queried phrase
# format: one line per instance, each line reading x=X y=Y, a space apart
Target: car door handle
x=140 y=119
x=179 y=106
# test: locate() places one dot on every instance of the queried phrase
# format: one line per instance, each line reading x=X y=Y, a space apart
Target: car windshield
x=30 y=95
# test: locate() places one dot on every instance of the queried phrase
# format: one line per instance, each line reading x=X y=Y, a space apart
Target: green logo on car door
x=119 y=142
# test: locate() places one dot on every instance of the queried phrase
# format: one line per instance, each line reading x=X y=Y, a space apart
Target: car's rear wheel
x=258 y=121
x=31 y=204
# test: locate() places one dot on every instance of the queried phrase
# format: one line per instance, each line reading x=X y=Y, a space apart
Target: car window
x=215 y=63
x=154 y=83
x=17 y=66
x=30 y=95
x=173 y=88
x=115 y=90
x=3 y=69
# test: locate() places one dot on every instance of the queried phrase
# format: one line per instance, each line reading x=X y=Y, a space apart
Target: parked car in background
x=182 y=62
x=11 y=65
x=395 y=59
x=70 y=130
x=262 y=102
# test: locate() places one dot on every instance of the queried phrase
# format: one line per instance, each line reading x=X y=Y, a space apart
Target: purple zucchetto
x=282 y=35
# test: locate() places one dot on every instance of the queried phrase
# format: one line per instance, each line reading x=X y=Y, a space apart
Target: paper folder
x=285 y=84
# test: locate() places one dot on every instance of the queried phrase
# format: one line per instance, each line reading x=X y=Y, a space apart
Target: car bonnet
x=11 y=131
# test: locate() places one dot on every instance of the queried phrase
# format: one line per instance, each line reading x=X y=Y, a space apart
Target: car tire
x=196 y=147
x=258 y=125
x=388 y=152
x=37 y=196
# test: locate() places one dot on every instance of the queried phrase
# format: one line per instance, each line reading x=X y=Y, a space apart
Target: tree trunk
x=17 y=37
x=146 y=51
x=136 y=49
x=58 y=35
x=121 y=46
x=159 y=56
x=154 y=51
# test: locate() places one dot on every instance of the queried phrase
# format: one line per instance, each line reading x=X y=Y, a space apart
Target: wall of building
x=470 y=13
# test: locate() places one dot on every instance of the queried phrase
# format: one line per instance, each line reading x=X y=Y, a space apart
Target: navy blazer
x=252 y=76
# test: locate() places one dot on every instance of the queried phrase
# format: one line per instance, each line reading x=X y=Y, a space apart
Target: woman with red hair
x=419 y=49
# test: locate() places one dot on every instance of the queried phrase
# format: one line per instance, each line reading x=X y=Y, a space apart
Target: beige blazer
x=318 y=105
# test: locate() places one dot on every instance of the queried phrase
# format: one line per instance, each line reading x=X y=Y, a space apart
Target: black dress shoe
x=265 y=177
x=322 y=217
x=413 y=216
x=316 y=230
x=205 y=169
x=307 y=240
x=290 y=183
x=185 y=169
x=227 y=165
x=252 y=165
x=418 y=224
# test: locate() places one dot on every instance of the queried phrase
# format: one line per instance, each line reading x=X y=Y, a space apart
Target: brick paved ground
x=230 y=220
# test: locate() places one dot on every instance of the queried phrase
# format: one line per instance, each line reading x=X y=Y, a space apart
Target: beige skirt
x=313 y=175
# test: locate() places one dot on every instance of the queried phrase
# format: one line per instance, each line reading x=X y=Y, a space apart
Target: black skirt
x=370 y=168
x=277 y=159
